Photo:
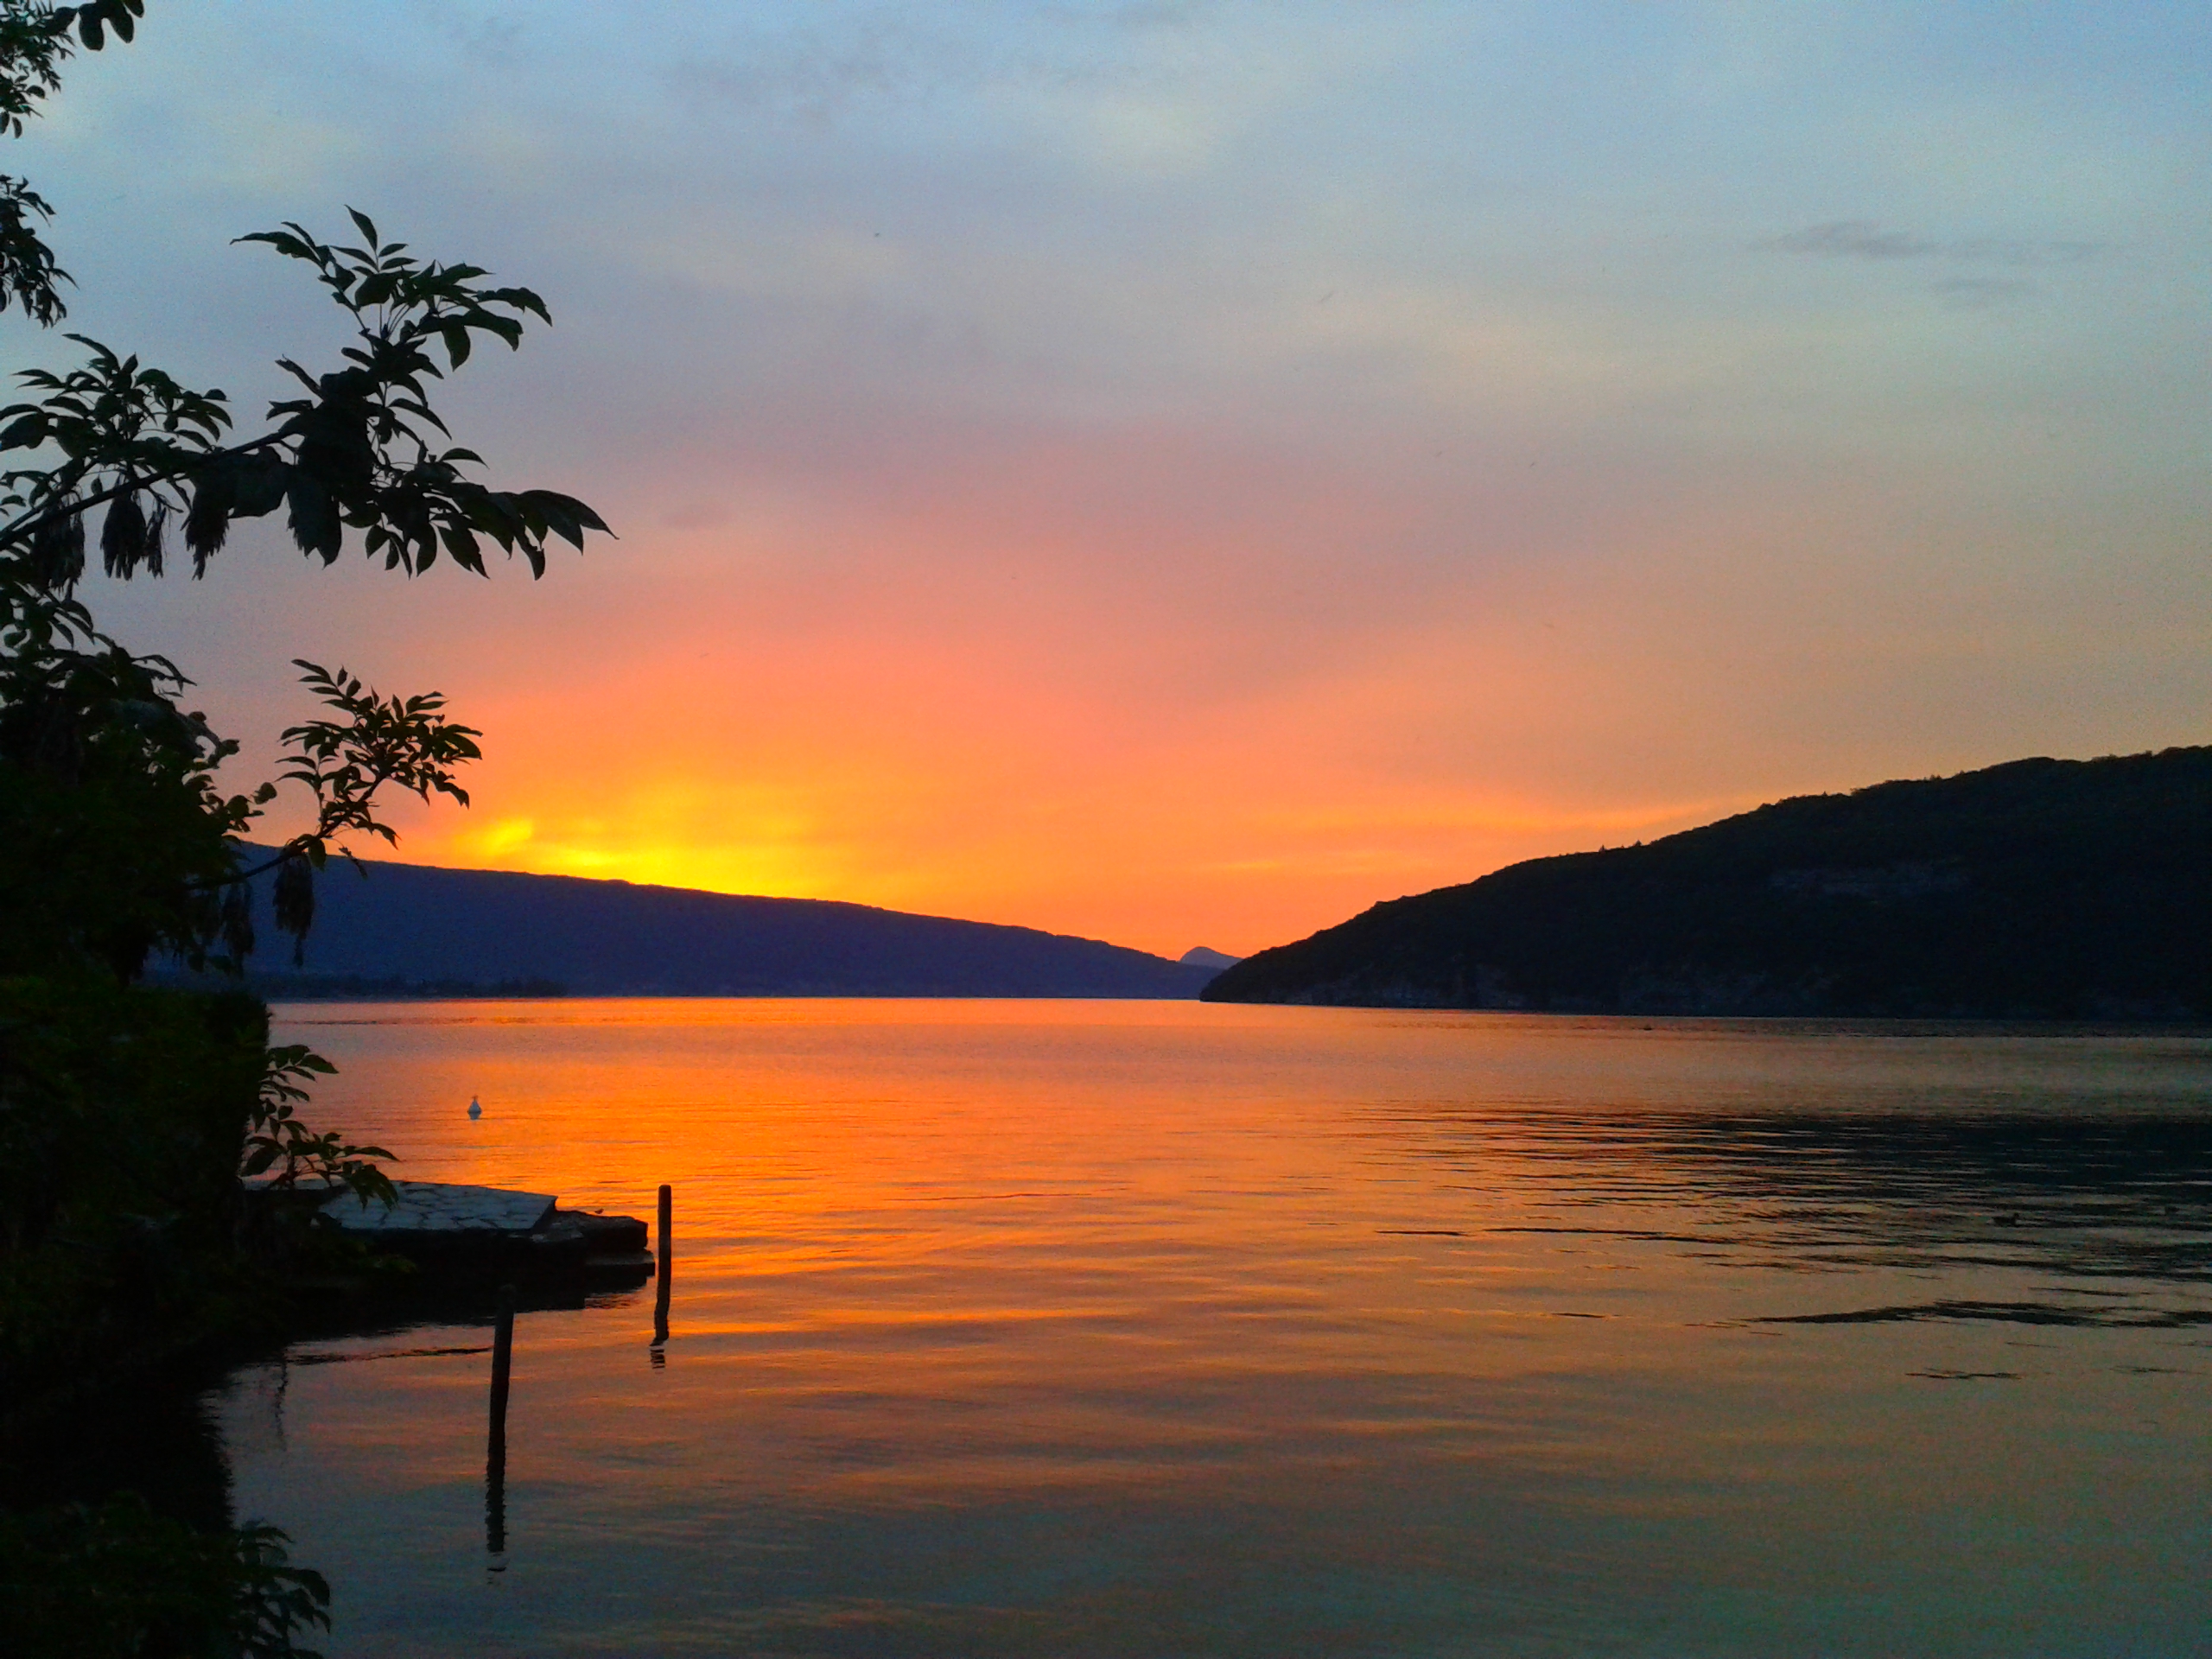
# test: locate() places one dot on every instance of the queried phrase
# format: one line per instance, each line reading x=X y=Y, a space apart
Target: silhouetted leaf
x=313 y=518
x=122 y=537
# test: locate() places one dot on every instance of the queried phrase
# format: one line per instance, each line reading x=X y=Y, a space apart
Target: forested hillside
x=2040 y=888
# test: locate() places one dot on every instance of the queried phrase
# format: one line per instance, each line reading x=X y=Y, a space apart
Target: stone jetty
x=487 y=1232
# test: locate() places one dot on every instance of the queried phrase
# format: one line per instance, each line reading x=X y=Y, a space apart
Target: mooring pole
x=503 y=1358
x=495 y=1456
x=662 y=1267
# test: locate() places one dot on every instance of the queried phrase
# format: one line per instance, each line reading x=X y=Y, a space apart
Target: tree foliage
x=359 y=451
x=278 y=1144
x=129 y=1113
x=115 y=1581
x=361 y=455
x=118 y=842
x=34 y=41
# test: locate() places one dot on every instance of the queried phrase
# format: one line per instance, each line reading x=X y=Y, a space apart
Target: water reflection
x=2117 y=1209
x=495 y=1455
x=663 y=1271
x=1138 y=1330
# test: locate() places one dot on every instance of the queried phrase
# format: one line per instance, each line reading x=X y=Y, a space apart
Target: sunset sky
x=1179 y=474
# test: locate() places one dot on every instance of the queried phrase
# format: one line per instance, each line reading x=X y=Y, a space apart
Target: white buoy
x=475 y=1110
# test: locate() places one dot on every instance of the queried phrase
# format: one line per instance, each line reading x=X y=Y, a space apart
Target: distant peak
x=1199 y=956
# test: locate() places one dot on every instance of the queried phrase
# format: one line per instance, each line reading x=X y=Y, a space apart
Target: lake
x=1159 y=1328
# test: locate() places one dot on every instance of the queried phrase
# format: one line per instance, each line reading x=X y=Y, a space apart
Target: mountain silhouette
x=2039 y=889
x=417 y=929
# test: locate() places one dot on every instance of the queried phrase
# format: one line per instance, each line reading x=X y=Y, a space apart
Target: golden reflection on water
x=1156 y=1327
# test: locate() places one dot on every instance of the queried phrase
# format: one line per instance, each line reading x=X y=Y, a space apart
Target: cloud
x=821 y=72
x=1862 y=238
x=1980 y=292
x=1852 y=238
x=1997 y=250
x=811 y=80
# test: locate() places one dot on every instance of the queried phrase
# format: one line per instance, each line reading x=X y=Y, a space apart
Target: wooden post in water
x=495 y=1456
x=662 y=1267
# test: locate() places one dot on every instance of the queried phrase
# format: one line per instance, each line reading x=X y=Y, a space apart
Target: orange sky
x=1180 y=477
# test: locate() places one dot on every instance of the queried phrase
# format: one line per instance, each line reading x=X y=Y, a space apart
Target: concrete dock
x=461 y=1230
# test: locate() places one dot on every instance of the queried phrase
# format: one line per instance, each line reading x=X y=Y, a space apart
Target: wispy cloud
x=1852 y=238
x=1980 y=292
x=1862 y=238
x=1997 y=251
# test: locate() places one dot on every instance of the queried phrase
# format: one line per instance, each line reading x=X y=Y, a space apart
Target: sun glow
x=1155 y=502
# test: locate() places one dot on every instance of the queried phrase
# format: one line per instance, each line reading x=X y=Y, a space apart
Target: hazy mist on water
x=1164 y=1328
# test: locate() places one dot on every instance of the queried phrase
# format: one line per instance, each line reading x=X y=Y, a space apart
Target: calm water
x=1162 y=1329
